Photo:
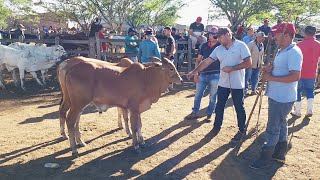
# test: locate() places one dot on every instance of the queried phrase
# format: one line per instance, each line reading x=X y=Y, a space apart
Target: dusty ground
x=177 y=149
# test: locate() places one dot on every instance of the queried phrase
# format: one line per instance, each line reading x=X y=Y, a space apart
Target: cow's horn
x=154 y=59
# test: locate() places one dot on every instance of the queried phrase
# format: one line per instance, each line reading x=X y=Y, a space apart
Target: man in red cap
x=196 y=32
x=282 y=76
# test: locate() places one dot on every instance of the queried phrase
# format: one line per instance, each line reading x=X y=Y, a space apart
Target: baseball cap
x=261 y=34
x=199 y=19
x=131 y=30
x=149 y=32
x=213 y=31
x=310 y=30
x=168 y=28
x=285 y=28
x=223 y=31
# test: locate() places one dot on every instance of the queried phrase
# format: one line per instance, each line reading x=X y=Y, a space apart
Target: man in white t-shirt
x=234 y=57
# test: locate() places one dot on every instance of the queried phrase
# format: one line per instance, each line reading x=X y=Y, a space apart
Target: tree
x=15 y=10
x=81 y=12
x=154 y=13
x=301 y=10
x=238 y=11
x=5 y=13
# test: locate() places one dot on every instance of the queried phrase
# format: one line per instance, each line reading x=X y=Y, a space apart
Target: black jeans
x=237 y=97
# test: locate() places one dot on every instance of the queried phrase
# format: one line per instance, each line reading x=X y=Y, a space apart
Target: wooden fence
x=93 y=47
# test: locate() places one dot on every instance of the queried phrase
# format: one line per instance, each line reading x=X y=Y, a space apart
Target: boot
x=310 y=107
x=280 y=152
x=264 y=159
x=297 y=109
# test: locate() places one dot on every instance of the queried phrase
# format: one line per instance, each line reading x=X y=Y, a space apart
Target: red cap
x=285 y=28
x=199 y=19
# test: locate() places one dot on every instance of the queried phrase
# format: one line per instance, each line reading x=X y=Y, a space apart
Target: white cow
x=29 y=58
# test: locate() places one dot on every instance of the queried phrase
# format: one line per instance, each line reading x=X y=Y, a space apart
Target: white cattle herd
x=29 y=58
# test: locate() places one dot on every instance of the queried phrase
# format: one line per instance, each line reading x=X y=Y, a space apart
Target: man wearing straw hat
x=282 y=77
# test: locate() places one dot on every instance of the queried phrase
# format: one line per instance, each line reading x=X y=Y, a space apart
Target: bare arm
x=173 y=49
x=204 y=64
x=198 y=60
x=247 y=62
x=292 y=77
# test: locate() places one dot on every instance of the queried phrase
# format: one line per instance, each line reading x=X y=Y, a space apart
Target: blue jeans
x=306 y=85
x=252 y=75
x=206 y=81
x=277 y=126
x=237 y=97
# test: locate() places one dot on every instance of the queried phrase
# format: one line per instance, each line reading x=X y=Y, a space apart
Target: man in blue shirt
x=282 y=79
x=131 y=47
x=265 y=27
x=249 y=37
x=148 y=48
x=208 y=78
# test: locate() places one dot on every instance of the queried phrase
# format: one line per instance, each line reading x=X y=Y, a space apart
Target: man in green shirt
x=132 y=47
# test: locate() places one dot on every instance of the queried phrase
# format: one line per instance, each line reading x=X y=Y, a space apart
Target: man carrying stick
x=282 y=77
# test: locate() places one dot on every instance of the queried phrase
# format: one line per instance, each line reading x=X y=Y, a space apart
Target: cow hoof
x=82 y=145
x=143 y=145
x=64 y=137
x=75 y=154
x=137 y=151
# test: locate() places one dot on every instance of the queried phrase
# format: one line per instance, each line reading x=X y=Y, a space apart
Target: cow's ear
x=165 y=60
x=154 y=59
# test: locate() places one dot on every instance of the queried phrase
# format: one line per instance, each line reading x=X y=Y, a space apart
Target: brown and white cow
x=87 y=81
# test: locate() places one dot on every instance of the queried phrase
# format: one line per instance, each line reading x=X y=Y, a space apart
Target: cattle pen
x=92 y=48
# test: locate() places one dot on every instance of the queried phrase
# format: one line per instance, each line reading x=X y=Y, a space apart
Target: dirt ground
x=177 y=148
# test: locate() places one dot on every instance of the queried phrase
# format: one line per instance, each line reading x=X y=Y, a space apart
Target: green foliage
x=154 y=13
x=5 y=13
x=254 y=11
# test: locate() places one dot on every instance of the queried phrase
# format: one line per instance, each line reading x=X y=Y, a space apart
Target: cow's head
x=58 y=52
x=171 y=71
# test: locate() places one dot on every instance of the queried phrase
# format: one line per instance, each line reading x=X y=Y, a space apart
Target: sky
x=195 y=8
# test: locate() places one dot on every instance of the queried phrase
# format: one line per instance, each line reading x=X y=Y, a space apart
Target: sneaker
x=297 y=114
x=309 y=114
x=192 y=116
x=208 y=119
x=238 y=136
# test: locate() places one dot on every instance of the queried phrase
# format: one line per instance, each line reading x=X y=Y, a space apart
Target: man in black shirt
x=19 y=31
x=170 y=44
x=94 y=27
x=208 y=78
x=196 y=31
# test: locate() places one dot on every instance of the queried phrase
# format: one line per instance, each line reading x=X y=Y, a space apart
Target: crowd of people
x=229 y=68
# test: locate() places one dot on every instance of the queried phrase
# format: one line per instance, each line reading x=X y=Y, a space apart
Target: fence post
x=189 y=55
x=21 y=38
x=56 y=40
x=92 y=48
x=176 y=55
x=98 y=46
